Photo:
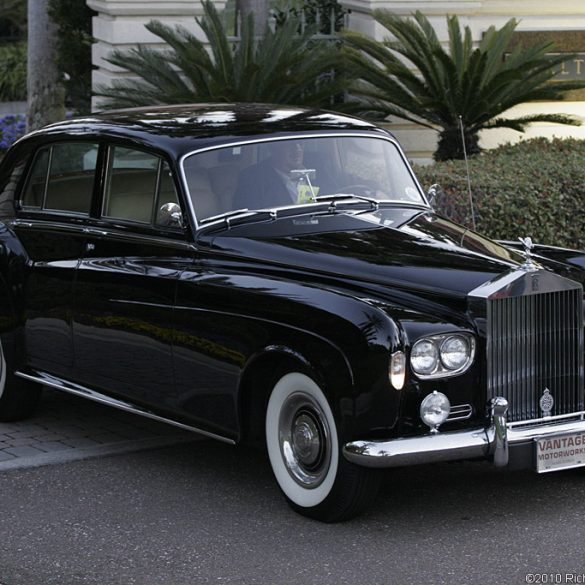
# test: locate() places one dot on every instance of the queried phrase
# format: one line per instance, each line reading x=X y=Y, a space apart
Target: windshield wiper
x=229 y=215
x=341 y=196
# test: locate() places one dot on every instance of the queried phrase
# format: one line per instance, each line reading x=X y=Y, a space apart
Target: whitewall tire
x=304 y=451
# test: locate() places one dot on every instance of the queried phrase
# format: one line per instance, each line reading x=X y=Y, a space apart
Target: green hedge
x=12 y=72
x=535 y=188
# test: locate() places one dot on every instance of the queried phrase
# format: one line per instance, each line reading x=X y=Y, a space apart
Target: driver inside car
x=273 y=181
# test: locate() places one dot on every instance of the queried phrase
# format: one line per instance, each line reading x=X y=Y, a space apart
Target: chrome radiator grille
x=535 y=342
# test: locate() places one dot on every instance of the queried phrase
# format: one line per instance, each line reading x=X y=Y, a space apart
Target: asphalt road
x=209 y=513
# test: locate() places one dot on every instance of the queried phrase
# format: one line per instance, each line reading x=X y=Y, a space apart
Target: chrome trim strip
x=518 y=436
x=519 y=283
x=48 y=224
x=548 y=420
x=78 y=390
x=371 y=134
x=86 y=230
x=459 y=412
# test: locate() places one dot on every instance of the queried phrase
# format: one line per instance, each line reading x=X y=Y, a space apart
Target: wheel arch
x=263 y=369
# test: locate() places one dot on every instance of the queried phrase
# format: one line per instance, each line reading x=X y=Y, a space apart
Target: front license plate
x=560 y=452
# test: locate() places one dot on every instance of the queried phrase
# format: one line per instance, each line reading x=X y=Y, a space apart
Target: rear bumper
x=493 y=442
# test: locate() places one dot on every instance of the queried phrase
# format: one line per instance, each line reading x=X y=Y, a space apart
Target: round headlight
x=424 y=356
x=455 y=352
x=435 y=409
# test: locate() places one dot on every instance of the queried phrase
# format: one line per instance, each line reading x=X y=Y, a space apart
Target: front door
x=126 y=283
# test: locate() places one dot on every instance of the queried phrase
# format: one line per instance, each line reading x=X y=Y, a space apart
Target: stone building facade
x=120 y=24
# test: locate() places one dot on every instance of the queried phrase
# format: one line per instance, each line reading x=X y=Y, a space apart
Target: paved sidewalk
x=67 y=427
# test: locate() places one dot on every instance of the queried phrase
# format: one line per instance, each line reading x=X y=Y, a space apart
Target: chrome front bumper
x=491 y=442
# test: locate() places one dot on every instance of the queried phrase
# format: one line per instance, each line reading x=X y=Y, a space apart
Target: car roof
x=183 y=128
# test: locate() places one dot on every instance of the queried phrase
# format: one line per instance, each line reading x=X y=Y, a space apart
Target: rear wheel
x=305 y=454
x=18 y=398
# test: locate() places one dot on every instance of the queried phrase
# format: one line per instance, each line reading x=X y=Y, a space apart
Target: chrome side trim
x=79 y=390
x=106 y=231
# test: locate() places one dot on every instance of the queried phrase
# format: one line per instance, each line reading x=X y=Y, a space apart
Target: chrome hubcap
x=305 y=440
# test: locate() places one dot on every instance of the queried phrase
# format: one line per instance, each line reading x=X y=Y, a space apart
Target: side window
x=34 y=194
x=9 y=181
x=62 y=178
x=137 y=185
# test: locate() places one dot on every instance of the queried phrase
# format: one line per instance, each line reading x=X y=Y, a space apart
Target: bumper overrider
x=492 y=442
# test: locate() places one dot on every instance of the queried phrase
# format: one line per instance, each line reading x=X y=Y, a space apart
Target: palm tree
x=413 y=77
x=46 y=97
x=283 y=67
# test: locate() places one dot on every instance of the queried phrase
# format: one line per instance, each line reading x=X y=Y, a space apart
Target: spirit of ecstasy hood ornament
x=529 y=263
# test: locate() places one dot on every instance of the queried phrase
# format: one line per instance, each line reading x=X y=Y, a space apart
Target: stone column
x=119 y=24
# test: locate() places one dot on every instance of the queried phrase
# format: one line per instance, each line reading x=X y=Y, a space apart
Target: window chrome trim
x=235 y=143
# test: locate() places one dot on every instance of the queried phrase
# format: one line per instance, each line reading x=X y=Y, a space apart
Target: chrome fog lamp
x=397 y=370
x=455 y=352
x=424 y=356
x=434 y=410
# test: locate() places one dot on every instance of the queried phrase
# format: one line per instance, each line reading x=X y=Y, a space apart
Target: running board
x=78 y=390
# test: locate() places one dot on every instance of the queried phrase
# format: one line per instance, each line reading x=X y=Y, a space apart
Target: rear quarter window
x=62 y=178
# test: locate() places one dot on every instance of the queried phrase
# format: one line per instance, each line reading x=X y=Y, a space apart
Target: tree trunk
x=258 y=8
x=45 y=91
x=451 y=146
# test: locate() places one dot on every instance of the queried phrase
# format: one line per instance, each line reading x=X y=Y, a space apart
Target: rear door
x=54 y=207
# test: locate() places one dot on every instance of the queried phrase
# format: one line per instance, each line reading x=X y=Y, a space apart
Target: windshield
x=282 y=173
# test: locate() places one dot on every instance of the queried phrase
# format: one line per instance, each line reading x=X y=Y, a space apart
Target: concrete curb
x=68 y=455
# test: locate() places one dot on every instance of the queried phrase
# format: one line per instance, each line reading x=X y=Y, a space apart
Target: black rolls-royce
x=277 y=276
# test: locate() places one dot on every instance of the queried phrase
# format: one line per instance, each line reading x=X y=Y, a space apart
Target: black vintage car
x=277 y=276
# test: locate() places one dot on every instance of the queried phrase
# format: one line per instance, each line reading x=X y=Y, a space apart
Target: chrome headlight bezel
x=441 y=368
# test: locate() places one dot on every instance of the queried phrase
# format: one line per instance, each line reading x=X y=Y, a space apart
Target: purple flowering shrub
x=12 y=127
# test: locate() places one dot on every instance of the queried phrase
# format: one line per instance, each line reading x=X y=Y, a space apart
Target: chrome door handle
x=89 y=247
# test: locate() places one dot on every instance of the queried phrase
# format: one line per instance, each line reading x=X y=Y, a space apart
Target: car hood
x=410 y=249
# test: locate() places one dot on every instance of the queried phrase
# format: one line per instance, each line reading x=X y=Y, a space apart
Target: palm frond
x=410 y=74
x=520 y=123
x=284 y=66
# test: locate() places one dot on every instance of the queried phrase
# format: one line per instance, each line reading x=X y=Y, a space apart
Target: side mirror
x=435 y=191
x=170 y=215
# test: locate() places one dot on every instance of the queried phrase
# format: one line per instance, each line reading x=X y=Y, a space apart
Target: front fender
x=345 y=340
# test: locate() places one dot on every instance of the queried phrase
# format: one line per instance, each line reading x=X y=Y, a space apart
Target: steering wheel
x=363 y=190
x=357 y=189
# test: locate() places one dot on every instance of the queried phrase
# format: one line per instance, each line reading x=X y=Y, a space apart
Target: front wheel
x=305 y=454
